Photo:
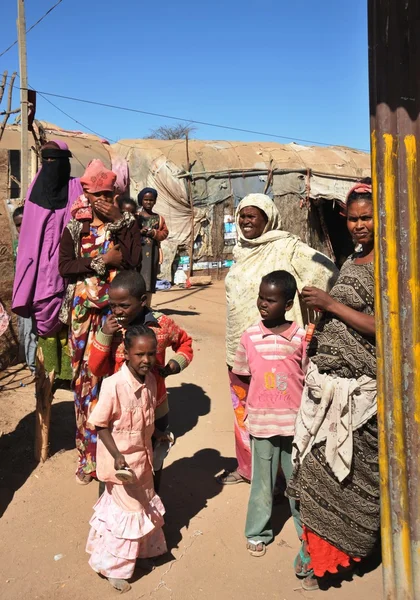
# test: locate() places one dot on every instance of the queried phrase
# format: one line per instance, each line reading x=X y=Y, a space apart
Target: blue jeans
x=28 y=342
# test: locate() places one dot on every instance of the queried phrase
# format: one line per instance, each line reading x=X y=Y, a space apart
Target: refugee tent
x=308 y=185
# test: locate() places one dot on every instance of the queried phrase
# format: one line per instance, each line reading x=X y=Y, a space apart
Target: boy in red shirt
x=127 y=300
x=272 y=357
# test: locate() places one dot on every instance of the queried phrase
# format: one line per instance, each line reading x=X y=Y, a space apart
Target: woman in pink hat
x=98 y=242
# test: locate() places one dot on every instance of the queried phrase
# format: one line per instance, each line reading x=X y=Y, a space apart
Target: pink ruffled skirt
x=126 y=525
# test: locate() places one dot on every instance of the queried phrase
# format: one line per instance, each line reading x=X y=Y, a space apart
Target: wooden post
x=8 y=110
x=394 y=57
x=3 y=85
x=190 y=198
x=21 y=27
x=44 y=383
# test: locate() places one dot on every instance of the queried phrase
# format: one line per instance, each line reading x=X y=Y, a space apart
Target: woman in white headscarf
x=262 y=247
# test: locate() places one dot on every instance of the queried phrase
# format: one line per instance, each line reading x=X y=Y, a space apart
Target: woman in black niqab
x=50 y=189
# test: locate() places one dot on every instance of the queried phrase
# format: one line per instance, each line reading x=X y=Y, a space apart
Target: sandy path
x=46 y=514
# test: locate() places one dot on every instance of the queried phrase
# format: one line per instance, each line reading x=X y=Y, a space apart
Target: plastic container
x=180 y=278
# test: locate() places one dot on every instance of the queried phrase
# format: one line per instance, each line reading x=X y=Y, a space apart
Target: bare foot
x=119 y=584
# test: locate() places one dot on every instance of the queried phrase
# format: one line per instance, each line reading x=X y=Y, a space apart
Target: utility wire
x=33 y=26
x=72 y=118
x=164 y=116
x=75 y=120
x=143 y=112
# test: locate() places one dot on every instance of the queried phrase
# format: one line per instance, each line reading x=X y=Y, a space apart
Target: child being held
x=272 y=357
x=128 y=517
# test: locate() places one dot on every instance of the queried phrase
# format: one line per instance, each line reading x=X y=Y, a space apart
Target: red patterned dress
x=81 y=250
x=107 y=352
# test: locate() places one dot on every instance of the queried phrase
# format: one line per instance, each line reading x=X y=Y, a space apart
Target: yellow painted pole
x=394 y=57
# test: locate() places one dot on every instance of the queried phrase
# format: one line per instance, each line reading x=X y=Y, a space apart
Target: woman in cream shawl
x=262 y=247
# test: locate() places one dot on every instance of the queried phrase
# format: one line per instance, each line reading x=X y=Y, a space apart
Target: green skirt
x=55 y=349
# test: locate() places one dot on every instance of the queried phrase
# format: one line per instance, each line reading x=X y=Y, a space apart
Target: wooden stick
x=44 y=383
x=190 y=198
x=269 y=177
x=23 y=72
x=10 y=112
x=3 y=85
x=9 y=105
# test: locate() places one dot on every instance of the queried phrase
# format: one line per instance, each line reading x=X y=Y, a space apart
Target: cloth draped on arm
x=331 y=409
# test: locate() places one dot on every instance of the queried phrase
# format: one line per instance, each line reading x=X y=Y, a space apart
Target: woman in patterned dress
x=97 y=242
x=153 y=230
x=336 y=476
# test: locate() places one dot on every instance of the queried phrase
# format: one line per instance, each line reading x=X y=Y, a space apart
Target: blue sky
x=296 y=69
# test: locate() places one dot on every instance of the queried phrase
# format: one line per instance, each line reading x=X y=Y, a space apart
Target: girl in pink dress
x=128 y=517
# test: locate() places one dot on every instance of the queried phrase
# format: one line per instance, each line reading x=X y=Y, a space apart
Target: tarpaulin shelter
x=307 y=184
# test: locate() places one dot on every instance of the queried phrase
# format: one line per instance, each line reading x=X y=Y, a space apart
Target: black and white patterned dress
x=345 y=514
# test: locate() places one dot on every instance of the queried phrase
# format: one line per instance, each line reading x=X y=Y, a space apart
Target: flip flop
x=305 y=561
x=125 y=475
x=310 y=583
x=119 y=584
x=252 y=547
x=231 y=478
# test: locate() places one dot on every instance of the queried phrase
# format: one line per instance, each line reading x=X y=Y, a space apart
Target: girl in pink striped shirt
x=272 y=357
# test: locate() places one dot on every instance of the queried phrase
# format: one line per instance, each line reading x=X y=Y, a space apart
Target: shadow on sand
x=174 y=311
x=17 y=448
x=187 y=485
x=187 y=403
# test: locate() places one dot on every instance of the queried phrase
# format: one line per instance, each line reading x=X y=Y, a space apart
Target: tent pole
x=190 y=198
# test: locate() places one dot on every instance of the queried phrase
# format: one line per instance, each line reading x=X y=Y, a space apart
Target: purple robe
x=38 y=289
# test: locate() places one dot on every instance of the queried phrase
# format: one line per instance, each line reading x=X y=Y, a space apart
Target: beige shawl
x=332 y=408
x=273 y=250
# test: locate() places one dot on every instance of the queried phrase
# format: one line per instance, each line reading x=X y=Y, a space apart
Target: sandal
x=83 y=479
x=310 y=583
x=119 y=584
x=256 y=548
x=301 y=564
x=231 y=478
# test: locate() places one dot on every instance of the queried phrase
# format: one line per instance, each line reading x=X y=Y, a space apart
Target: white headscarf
x=273 y=250
x=272 y=231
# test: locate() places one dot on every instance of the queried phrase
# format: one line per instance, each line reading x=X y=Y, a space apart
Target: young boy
x=127 y=300
x=272 y=357
x=27 y=337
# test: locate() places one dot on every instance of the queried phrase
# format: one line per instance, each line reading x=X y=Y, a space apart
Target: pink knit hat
x=97 y=178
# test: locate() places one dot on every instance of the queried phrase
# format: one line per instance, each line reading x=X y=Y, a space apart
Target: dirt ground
x=45 y=515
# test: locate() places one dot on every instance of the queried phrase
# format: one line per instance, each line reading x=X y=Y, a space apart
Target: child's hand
x=109 y=209
x=113 y=257
x=119 y=462
x=111 y=325
x=172 y=368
